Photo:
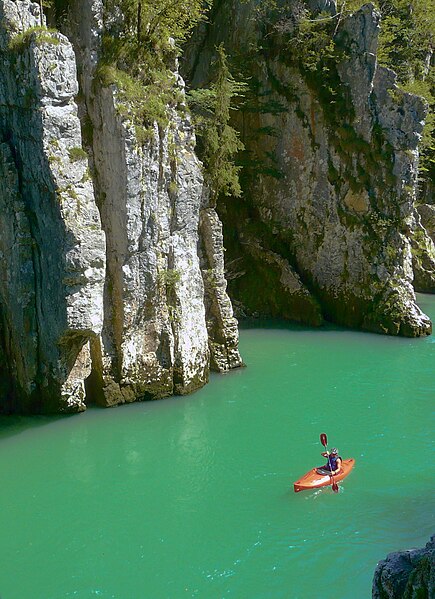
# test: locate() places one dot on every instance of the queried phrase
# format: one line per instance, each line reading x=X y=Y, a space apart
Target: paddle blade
x=335 y=487
x=324 y=439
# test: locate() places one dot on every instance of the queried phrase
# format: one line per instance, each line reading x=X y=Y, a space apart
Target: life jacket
x=333 y=460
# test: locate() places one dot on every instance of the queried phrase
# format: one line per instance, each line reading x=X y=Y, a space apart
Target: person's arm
x=339 y=461
x=325 y=454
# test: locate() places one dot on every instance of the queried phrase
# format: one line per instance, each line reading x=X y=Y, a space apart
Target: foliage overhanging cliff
x=113 y=283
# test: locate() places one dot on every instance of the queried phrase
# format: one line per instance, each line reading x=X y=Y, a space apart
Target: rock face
x=330 y=176
x=423 y=249
x=221 y=324
x=103 y=252
x=406 y=574
x=427 y=218
x=112 y=275
x=52 y=245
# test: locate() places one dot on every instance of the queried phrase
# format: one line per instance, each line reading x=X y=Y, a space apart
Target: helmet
x=334 y=451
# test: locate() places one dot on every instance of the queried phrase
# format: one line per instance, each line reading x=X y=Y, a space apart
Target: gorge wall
x=327 y=225
x=112 y=279
x=112 y=275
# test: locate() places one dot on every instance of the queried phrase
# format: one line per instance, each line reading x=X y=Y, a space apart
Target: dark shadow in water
x=281 y=324
x=288 y=325
x=15 y=424
x=425 y=301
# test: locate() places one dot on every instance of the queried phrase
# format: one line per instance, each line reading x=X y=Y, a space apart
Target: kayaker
x=333 y=465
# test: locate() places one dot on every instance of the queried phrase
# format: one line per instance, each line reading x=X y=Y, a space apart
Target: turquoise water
x=192 y=497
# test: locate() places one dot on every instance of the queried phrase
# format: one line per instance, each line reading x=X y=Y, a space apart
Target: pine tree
x=153 y=23
x=219 y=142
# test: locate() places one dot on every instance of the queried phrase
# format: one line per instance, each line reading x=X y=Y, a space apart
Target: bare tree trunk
x=343 y=6
x=427 y=63
x=139 y=20
x=41 y=16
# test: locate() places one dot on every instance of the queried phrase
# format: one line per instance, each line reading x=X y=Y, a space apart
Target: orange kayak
x=312 y=480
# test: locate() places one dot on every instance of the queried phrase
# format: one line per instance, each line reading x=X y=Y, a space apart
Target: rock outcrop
x=427 y=218
x=406 y=574
x=52 y=245
x=423 y=249
x=330 y=173
x=101 y=247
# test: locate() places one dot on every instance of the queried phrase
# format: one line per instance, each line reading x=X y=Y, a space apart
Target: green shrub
x=169 y=278
x=40 y=34
x=139 y=60
x=76 y=154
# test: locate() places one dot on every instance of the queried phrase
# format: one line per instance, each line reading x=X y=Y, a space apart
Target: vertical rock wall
x=330 y=176
x=52 y=245
x=156 y=335
x=221 y=325
x=102 y=294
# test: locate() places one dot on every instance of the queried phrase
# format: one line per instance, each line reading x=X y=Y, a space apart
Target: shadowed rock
x=406 y=574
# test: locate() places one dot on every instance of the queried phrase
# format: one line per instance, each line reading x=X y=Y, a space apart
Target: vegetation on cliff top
x=142 y=39
x=140 y=45
x=40 y=35
x=153 y=23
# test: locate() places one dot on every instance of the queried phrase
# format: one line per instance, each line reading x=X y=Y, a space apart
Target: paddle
x=324 y=442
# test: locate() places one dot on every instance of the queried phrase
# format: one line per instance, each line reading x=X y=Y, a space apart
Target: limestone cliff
x=330 y=173
x=112 y=274
x=406 y=574
x=52 y=245
x=107 y=256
